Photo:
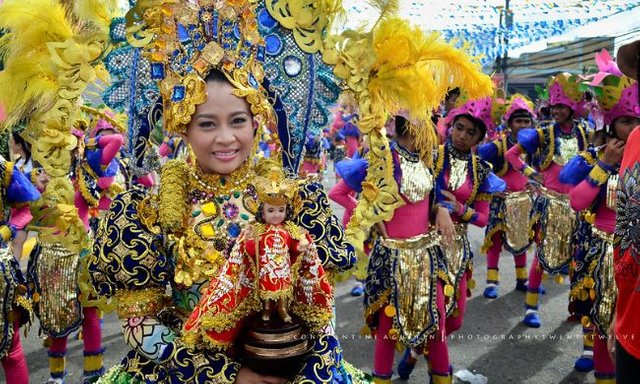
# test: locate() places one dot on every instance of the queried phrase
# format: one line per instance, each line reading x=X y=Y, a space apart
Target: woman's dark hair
x=518 y=114
x=22 y=142
x=477 y=123
x=260 y=218
x=402 y=126
x=216 y=76
x=452 y=92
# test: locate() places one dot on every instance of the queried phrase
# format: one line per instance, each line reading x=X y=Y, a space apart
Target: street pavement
x=492 y=343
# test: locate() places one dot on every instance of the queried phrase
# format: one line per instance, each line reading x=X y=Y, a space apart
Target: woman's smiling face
x=222 y=130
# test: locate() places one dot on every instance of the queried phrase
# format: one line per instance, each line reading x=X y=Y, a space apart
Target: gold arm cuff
x=141 y=302
x=599 y=175
x=468 y=214
x=528 y=171
x=5 y=233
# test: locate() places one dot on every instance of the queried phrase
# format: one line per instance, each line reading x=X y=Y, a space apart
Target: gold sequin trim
x=142 y=302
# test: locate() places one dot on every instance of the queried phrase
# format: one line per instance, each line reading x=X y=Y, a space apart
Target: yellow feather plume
x=50 y=54
x=29 y=81
x=413 y=71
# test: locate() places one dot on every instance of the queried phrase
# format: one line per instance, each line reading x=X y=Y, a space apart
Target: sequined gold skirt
x=518 y=207
x=557 y=225
x=414 y=286
x=457 y=257
x=54 y=271
x=605 y=285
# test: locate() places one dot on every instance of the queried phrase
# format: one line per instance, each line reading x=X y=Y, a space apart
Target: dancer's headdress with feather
x=396 y=66
x=51 y=52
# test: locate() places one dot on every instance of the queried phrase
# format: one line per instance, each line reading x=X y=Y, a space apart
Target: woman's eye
x=238 y=120
x=207 y=124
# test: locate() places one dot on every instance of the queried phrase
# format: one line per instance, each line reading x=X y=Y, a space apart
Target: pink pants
x=14 y=363
x=603 y=366
x=91 y=336
x=493 y=254
x=437 y=343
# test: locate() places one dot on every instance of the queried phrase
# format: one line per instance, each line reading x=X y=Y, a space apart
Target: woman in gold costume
x=209 y=64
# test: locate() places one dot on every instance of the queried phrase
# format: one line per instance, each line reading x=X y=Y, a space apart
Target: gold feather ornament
x=51 y=51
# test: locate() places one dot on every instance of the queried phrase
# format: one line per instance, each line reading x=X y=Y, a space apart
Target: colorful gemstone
x=209 y=209
x=207 y=231
x=233 y=230
x=230 y=210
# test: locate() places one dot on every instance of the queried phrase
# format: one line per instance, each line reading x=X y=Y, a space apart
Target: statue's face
x=274 y=214
x=222 y=130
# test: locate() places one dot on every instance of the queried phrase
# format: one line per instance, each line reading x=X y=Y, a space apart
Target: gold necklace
x=221 y=185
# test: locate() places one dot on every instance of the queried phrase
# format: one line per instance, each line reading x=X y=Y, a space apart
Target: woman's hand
x=444 y=225
x=247 y=376
x=613 y=152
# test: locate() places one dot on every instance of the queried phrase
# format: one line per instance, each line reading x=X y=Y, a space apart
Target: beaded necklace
x=207 y=186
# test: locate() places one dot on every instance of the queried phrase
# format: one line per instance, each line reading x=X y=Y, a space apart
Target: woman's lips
x=227 y=155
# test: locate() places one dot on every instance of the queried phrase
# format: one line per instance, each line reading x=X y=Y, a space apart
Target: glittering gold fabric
x=57 y=271
x=568 y=147
x=458 y=172
x=7 y=291
x=417 y=181
x=516 y=217
x=457 y=258
x=606 y=292
x=612 y=191
x=416 y=279
x=556 y=247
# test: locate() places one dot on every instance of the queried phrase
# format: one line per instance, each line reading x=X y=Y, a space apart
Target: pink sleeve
x=513 y=157
x=481 y=216
x=583 y=195
x=20 y=217
x=110 y=145
x=343 y=195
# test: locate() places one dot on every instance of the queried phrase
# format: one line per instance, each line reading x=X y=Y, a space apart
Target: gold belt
x=429 y=239
x=608 y=237
x=553 y=194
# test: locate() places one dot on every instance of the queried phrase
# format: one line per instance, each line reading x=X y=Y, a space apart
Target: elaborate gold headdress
x=185 y=41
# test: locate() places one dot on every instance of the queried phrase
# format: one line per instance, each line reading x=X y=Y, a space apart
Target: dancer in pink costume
x=15 y=305
x=508 y=228
x=548 y=148
x=407 y=238
x=464 y=186
x=594 y=177
x=61 y=310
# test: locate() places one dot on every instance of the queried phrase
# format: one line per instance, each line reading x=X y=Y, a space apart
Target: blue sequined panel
x=304 y=85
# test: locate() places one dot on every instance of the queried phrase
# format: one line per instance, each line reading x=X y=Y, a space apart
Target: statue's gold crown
x=274 y=188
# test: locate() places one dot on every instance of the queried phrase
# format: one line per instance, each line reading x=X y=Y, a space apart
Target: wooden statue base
x=274 y=347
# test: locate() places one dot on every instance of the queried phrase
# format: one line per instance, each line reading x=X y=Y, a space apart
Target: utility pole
x=508 y=22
